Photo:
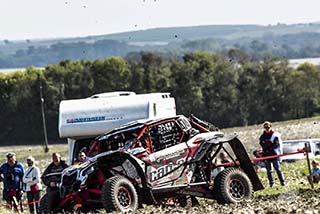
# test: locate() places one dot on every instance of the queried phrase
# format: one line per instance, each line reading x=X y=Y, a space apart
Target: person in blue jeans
x=315 y=172
x=11 y=174
x=270 y=142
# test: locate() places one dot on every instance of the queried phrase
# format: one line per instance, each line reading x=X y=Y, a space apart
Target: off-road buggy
x=147 y=162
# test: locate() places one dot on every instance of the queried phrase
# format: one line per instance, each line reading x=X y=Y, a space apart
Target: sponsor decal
x=159 y=157
x=92 y=119
x=169 y=156
x=164 y=170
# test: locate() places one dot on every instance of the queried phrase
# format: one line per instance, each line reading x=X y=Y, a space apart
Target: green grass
x=295 y=176
x=294 y=173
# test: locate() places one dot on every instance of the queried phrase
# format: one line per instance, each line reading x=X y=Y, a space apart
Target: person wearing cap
x=33 y=186
x=315 y=172
x=11 y=173
x=270 y=141
x=258 y=164
x=51 y=177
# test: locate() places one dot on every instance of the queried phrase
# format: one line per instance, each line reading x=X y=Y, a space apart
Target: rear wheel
x=118 y=193
x=232 y=185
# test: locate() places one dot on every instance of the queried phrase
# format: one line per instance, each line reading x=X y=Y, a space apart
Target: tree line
x=226 y=90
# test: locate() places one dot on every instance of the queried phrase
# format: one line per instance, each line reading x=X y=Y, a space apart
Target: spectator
x=259 y=164
x=33 y=186
x=82 y=157
x=224 y=158
x=270 y=142
x=315 y=172
x=51 y=177
x=11 y=173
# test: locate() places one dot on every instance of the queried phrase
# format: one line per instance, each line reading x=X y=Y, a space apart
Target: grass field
x=295 y=197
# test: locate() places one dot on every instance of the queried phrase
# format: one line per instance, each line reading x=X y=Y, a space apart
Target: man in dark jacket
x=51 y=177
x=270 y=142
x=11 y=174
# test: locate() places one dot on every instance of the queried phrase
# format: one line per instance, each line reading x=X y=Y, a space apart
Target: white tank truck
x=81 y=120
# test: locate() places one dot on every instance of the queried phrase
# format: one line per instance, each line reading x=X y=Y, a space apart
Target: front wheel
x=232 y=185
x=118 y=193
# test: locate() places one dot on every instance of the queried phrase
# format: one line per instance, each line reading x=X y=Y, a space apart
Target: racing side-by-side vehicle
x=147 y=162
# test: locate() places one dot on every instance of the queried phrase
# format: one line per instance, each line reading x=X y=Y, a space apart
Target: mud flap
x=245 y=163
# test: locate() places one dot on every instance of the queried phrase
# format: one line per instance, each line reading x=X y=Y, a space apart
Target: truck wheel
x=43 y=206
x=118 y=193
x=232 y=185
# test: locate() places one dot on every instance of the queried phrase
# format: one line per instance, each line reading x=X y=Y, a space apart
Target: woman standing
x=270 y=141
x=33 y=186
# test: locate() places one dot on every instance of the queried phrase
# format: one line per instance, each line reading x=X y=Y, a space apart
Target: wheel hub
x=124 y=197
x=236 y=188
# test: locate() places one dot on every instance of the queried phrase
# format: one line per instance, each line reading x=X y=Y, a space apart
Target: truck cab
x=289 y=146
x=81 y=120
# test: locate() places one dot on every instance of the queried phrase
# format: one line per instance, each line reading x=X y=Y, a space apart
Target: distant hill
x=174 y=34
x=290 y=41
x=212 y=31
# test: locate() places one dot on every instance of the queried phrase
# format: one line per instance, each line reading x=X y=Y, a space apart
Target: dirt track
x=298 y=201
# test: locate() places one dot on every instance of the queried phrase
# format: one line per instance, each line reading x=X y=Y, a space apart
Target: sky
x=39 y=19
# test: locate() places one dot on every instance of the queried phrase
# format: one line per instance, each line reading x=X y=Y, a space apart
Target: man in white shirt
x=33 y=186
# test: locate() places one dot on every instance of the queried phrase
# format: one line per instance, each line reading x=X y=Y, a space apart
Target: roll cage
x=151 y=135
